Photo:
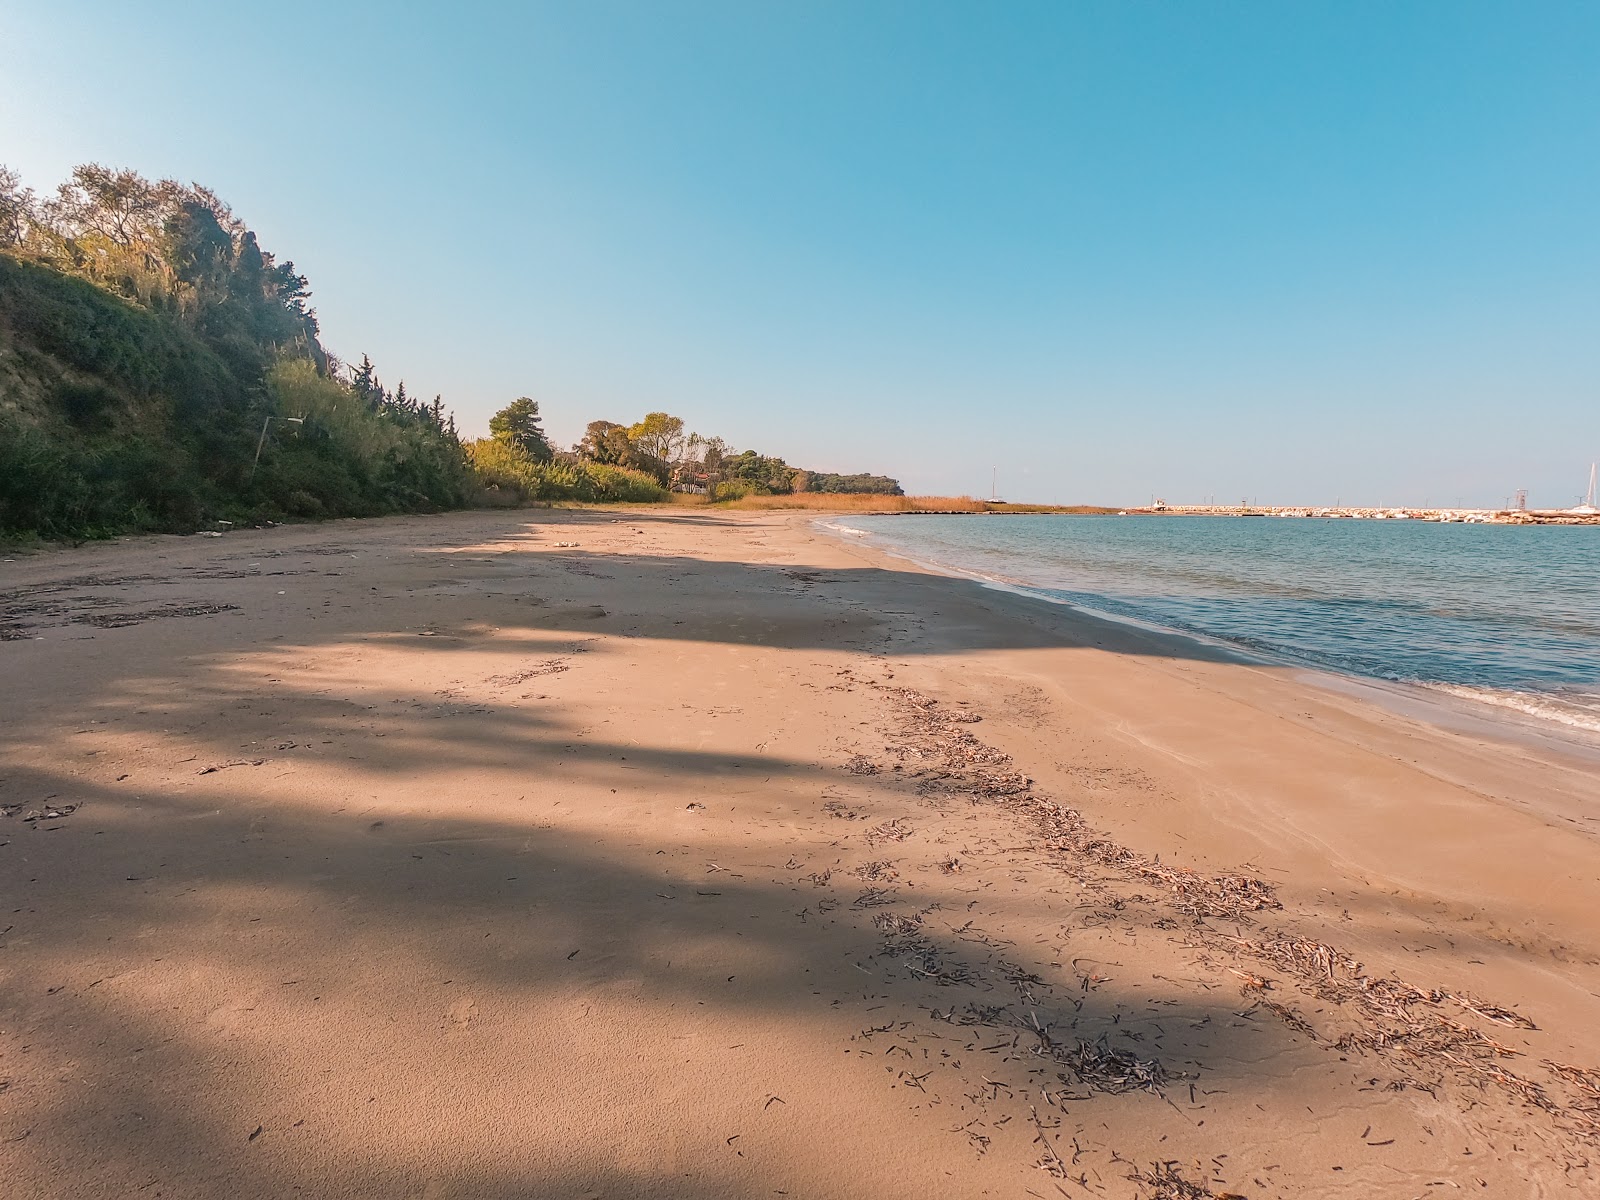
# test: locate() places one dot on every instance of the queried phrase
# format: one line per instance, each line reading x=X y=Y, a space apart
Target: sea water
x=1504 y=615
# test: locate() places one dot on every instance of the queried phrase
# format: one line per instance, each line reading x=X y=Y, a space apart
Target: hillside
x=145 y=342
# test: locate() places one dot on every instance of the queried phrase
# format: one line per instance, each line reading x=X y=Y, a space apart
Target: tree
x=200 y=253
x=709 y=450
x=760 y=472
x=518 y=423
x=16 y=208
x=604 y=442
x=121 y=207
x=364 y=379
x=879 y=485
x=658 y=436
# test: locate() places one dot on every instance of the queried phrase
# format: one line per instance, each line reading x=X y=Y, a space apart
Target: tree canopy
x=518 y=423
x=658 y=436
x=695 y=462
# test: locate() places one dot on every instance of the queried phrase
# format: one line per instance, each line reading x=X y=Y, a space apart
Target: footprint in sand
x=463 y=1012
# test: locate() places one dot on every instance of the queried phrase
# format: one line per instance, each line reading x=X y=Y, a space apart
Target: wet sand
x=712 y=857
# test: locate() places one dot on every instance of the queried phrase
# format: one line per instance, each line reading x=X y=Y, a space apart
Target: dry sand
x=711 y=857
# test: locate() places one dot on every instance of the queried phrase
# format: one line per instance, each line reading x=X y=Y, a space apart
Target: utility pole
x=262 y=440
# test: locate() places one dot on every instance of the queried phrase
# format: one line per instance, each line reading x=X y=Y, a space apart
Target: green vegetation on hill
x=160 y=371
x=147 y=341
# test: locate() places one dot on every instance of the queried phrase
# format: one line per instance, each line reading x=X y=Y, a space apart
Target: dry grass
x=831 y=502
x=835 y=502
x=851 y=503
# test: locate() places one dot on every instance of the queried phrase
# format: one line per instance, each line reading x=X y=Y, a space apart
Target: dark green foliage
x=604 y=442
x=145 y=336
x=610 y=444
x=83 y=328
x=518 y=423
x=758 y=472
x=115 y=418
x=876 y=485
x=85 y=404
x=57 y=488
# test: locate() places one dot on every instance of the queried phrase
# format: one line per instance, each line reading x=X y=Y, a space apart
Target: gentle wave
x=1501 y=616
x=1579 y=713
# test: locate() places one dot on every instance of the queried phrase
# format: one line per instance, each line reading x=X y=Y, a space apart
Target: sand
x=666 y=854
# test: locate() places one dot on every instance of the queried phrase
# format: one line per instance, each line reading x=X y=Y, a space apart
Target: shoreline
x=400 y=857
x=1445 y=706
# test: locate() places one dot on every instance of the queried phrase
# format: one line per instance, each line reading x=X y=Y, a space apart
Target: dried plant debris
x=550 y=666
x=879 y=871
x=1229 y=897
x=33 y=602
x=1101 y=1067
x=860 y=764
x=873 y=897
x=45 y=812
x=579 y=566
x=1096 y=1065
x=931 y=732
x=118 y=620
x=236 y=762
x=1425 y=1035
x=1163 y=1181
x=1412 y=1029
x=1582 y=1082
x=897 y=830
x=927 y=964
x=1332 y=974
x=898 y=926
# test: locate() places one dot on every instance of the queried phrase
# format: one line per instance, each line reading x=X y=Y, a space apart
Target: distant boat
x=1587 y=508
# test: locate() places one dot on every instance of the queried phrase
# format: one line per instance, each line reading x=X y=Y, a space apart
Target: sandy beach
x=672 y=853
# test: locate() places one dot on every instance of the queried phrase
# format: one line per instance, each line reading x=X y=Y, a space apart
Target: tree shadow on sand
x=199 y=973
x=237 y=982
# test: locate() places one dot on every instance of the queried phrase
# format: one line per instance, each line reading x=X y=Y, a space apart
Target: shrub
x=502 y=468
x=118 y=416
x=84 y=404
x=624 y=485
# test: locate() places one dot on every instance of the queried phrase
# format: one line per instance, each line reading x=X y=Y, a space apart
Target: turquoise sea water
x=1498 y=614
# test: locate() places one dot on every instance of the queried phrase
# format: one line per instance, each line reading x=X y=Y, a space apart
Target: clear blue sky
x=1291 y=251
